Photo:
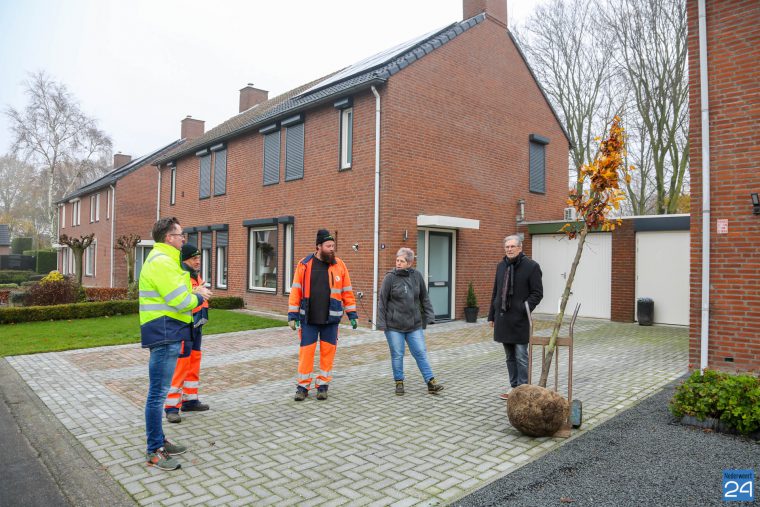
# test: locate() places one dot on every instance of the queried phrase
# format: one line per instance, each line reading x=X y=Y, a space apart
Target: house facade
x=724 y=82
x=430 y=145
x=120 y=203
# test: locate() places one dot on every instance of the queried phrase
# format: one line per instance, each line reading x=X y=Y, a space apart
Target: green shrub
x=133 y=290
x=47 y=260
x=28 y=283
x=226 y=303
x=734 y=399
x=472 y=299
x=8 y=286
x=53 y=290
x=67 y=312
x=15 y=276
x=18 y=245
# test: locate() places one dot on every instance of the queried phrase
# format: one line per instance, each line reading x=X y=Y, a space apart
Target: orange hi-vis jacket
x=341 y=293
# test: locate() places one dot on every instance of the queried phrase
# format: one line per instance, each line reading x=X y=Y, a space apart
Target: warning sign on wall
x=723 y=226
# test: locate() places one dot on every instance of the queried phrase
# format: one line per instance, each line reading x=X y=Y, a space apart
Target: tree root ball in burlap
x=536 y=411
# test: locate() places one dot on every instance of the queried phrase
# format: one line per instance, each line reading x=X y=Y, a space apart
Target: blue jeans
x=163 y=359
x=397 y=342
x=517 y=363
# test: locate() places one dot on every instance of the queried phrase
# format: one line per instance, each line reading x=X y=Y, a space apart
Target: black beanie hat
x=189 y=251
x=324 y=235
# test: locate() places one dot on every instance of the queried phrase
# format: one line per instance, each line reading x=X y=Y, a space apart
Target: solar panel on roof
x=373 y=61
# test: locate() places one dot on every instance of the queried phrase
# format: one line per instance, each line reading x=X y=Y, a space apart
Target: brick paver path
x=364 y=445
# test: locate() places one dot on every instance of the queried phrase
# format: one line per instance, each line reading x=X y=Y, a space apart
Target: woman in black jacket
x=403 y=299
x=518 y=279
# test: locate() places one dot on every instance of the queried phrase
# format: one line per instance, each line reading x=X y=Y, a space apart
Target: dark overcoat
x=512 y=326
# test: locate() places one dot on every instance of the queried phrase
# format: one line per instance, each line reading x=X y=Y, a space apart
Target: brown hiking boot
x=301 y=394
x=434 y=387
x=399 y=388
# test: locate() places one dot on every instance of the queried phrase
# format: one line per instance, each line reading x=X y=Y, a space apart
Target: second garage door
x=592 y=284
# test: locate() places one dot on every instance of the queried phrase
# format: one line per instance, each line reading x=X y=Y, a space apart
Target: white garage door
x=662 y=273
x=592 y=283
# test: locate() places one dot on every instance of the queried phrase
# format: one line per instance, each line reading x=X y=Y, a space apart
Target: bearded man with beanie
x=320 y=293
x=183 y=393
x=518 y=280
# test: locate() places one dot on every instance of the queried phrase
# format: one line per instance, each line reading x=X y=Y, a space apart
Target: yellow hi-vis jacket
x=166 y=298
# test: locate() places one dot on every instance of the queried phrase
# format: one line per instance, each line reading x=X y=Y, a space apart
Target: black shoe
x=434 y=387
x=301 y=394
x=195 y=407
x=173 y=417
x=322 y=393
x=399 y=388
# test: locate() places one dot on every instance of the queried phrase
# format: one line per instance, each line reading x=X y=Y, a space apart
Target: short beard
x=325 y=256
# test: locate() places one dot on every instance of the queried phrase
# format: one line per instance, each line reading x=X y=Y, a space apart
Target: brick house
x=465 y=132
x=724 y=332
x=120 y=203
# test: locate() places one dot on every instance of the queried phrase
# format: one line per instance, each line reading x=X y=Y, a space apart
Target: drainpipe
x=376 y=247
x=705 y=106
x=158 y=196
x=113 y=219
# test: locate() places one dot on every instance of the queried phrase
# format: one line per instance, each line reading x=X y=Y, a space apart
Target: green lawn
x=33 y=337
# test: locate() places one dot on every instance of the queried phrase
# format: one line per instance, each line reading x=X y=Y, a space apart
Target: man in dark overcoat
x=518 y=279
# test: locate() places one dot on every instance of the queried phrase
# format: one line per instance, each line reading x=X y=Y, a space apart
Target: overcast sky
x=140 y=66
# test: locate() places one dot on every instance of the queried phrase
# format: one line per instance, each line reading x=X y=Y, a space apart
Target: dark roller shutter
x=272 y=158
x=205 y=177
x=537 y=167
x=294 y=152
x=220 y=172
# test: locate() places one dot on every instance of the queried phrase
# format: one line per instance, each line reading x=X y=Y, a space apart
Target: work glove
x=293 y=324
x=354 y=323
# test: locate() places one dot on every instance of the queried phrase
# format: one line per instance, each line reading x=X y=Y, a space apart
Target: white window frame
x=288 y=255
x=206 y=263
x=92 y=208
x=346 y=137
x=97 y=207
x=108 y=204
x=65 y=261
x=75 y=213
x=173 y=186
x=63 y=216
x=252 y=259
x=221 y=267
x=90 y=259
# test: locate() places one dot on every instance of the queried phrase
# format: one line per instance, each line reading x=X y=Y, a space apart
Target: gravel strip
x=640 y=457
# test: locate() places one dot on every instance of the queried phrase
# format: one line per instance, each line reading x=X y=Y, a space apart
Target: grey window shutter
x=272 y=158
x=221 y=239
x=294 y=140
x=220 y=172
x=537 y=168
x=205 y=177
x=206 y=239
x=193 y=239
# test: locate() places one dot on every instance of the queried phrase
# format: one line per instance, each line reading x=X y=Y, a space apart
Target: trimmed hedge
x=15 y=276
x=226 y=303
x=47 y=261
x=8 y=286
x=67 y=312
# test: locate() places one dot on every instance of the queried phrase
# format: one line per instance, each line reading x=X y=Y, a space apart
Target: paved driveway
x=362 y=446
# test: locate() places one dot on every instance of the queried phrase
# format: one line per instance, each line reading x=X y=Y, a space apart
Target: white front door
x=662 y=274
x=436 y=260
x=592 y=286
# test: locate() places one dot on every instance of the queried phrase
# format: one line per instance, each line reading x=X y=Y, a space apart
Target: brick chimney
x=250 y=96
x=192 y=128
x=494 y=9
x=120 y=160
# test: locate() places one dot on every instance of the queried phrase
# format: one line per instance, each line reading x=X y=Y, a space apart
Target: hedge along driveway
x=34 y=337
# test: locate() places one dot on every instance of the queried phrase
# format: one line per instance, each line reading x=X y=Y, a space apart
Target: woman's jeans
x=163 y=359
x=416 y=341
x=517 y=363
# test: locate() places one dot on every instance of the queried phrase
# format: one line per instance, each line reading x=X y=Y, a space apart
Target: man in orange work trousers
x=321 y=292
x=183 y=393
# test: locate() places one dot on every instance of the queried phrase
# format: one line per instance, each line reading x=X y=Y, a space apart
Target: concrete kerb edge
x=81 y=480
x=576 y=433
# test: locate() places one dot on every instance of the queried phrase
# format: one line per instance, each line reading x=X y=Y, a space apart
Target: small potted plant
x=471 y=305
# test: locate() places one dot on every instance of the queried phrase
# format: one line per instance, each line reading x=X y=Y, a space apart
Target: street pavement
x=362 y=446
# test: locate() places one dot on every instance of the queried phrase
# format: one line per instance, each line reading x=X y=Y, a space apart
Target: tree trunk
x=130 y=255
x=78 y=254
x=546 y=366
